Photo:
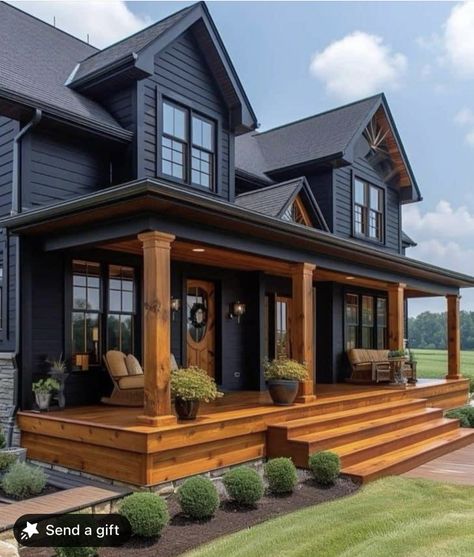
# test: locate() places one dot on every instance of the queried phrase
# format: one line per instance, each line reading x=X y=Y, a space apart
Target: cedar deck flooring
x=361 y=423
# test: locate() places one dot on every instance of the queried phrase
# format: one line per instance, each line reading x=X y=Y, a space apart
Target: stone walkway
x=455 y=467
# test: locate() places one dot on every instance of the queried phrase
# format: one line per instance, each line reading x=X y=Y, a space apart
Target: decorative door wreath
x=198 y=315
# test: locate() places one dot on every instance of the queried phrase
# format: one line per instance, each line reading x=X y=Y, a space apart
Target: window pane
x=127 y=302
x=352 y=309
x=367 y=310
x=381 y=312
x=168 y=126
x=375 y=201
x=78 y=332
x=93 y=298
x=367 y=337
x=113 y=332
x=203 y=132
x=174 y=121
x=126 y=334
x=79 y=298
x=114 y=300
x=359 y=192
x=179 y=123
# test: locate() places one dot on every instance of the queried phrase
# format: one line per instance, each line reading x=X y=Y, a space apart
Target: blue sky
x=299 y=58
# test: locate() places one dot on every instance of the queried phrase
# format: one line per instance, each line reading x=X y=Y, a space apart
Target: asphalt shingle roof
x=313 y=138
x=133 y=44
x=271 y=200
x=35 y=62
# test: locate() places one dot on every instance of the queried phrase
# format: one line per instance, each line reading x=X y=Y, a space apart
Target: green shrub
x=282 y=368
x=2 y=439
x=325 y=467
x=23 y=481
x=243 y=485
x=471 y=385
x=193 y=383
x=281 y=475
x=146 y=512
x=465 y=415
x=6 y=460
x=75 y=551
x=198 y=497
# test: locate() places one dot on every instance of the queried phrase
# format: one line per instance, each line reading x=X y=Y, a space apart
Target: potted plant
x=58 y=372
x=43 y=390
x=283 y=376
x=190 y=386
x=397 y=360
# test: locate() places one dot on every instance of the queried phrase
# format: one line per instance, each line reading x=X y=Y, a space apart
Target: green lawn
x=393 y=517
x=433 y=363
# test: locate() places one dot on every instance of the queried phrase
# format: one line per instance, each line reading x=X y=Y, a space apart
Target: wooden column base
x=454 y=377
x=305 y=393
x=158 y=421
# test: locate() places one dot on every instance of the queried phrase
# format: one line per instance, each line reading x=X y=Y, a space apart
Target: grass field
x=434 y=363
x=394 y=517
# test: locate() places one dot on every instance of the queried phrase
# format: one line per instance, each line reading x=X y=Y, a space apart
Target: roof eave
x=21 y=223
x=64 y=116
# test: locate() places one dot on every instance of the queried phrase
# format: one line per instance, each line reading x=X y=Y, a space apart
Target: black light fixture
x=237 y=309
x=175 y=306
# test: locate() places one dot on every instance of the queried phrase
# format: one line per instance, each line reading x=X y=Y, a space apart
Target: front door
x=200 y=307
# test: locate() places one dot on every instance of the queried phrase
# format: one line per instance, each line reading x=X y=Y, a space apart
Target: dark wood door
x=200 y=307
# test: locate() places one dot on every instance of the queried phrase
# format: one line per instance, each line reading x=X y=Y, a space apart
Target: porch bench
x=373 y=366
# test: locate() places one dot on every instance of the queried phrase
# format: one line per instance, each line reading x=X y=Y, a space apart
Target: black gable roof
x=318 y=137
x=35 y=61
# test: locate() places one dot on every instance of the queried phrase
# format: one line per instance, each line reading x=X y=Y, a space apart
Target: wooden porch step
x=369 y=429
x=324 y=422
x=406 y=458
x=371 y=447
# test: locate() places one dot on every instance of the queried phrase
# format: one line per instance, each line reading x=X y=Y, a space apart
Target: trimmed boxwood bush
x=198 y=497
x=146 y=512
x=22 y=480
x=281 y=475
x=6 y=460
x=243 y=485
x=75 y=551
x=325 y=467
x=465 y=415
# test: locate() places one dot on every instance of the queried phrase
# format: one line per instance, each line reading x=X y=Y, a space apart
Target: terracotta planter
x=283 y=391
x=186 y=409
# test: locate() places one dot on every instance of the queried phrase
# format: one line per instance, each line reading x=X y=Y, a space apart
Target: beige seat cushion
x=363 y=356
x=116 y=363
x=131 y=382
x=133 y=365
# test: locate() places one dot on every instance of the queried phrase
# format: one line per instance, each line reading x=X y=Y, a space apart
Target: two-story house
x=142 y=212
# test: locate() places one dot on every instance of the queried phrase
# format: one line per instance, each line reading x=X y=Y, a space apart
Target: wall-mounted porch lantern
x=237 y=309
x=175 y=306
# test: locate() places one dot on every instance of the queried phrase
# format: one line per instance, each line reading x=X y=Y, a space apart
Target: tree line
x=428 y=330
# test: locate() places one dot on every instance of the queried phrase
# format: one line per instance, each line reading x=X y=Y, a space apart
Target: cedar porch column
x=302 y=326
x=156 y=328
x=454 y=337
x=396 y=318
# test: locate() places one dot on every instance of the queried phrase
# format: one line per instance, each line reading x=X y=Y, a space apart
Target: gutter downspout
x=15 y=209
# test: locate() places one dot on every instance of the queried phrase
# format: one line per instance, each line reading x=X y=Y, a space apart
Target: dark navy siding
x=343 y=178
x=59 y=168
x=321 y=186
x=182 y=74
x=8 y=129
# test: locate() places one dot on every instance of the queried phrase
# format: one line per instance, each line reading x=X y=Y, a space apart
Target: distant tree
x=428 y=330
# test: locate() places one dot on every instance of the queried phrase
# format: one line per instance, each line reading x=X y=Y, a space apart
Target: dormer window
x=368 y=210
x=188 y=146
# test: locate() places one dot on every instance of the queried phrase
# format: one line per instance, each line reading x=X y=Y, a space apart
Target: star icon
x=29 y=530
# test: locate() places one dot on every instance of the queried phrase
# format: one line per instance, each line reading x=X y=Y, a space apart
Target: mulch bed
x=183 y=534
x=4 y=498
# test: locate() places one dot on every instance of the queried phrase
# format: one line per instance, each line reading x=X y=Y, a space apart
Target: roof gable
x=134 y=58
x=275 y=200
x=328 y=136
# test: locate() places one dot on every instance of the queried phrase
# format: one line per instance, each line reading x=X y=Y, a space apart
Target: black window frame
x=132 y=314
x=367 y=212
x=375 y=295
x=189 y=145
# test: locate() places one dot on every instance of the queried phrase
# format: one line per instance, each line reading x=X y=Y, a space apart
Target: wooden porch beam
x=454 y=337
x=156 y=328
x=302 y=326
x=396 y=316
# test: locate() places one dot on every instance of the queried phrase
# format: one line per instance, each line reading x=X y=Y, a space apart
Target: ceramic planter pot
x=283 y=391
x=186 y=409
x=61 y=377
x=43 y=400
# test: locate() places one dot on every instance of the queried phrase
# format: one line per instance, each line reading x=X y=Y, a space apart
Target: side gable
x=279 y=200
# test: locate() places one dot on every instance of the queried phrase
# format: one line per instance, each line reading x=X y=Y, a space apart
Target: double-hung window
x=368 y=210
x=121 y=309
x=366 y=317
x=188 y=146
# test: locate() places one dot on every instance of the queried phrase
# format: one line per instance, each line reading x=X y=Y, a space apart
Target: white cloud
x=459 y=39
x=104 y=21
x=358 y=65
x=445 y=222
x=465 y=118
